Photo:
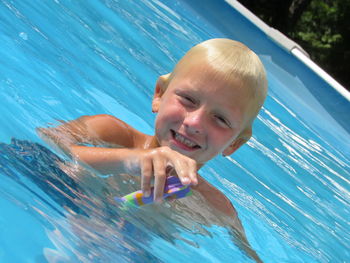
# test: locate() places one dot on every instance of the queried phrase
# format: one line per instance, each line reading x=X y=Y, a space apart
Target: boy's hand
x=159 y=162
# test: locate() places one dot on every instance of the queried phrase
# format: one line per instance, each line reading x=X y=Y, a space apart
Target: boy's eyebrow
x=185 y=87
x=185 y=91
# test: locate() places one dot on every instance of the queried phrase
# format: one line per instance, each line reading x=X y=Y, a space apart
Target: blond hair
x=230 y=60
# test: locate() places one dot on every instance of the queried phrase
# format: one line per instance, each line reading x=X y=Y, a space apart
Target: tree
x=321 y=27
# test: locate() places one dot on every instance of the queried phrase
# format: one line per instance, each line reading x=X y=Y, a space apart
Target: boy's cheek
x=171 y=114
x=219 y=143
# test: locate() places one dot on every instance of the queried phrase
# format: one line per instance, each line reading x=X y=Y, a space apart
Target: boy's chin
x=193 y=155
x=182 y=151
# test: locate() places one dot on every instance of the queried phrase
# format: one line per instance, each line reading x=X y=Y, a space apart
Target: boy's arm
x=96 y=130
x=129 y=153
x=220 y=202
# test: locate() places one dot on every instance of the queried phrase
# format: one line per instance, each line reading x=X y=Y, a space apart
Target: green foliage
x=321 y=27
x=317 y=31
x=323 y=30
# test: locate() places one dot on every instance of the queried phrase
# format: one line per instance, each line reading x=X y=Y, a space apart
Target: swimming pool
x=61 y=59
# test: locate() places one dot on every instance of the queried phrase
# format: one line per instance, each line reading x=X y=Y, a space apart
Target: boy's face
x=201 y=115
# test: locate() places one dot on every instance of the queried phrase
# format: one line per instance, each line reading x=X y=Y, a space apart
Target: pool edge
x=290 y=46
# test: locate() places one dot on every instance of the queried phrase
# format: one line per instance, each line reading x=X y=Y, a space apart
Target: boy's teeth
x=183 y=140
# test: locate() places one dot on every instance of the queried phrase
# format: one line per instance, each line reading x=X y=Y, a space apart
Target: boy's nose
x=194 y=121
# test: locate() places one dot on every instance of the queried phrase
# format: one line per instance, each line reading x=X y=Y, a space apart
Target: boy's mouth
x=184 y=141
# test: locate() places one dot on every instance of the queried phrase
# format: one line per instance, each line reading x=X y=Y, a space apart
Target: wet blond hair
x=230 y=60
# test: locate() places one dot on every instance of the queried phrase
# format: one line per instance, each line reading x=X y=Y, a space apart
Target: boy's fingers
x=146 y=176
x=160 y=178
x=181 y=169
x=192 y=172
x=186 y=169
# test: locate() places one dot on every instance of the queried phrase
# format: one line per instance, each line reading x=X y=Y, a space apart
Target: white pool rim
x=290 y=46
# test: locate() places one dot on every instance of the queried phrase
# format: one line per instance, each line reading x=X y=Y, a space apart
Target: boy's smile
x=184 y=142
x=200 y=114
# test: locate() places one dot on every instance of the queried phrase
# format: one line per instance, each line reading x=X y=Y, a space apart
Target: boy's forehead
x=202 y=75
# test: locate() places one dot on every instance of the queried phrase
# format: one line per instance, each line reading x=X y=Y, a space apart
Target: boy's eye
x=187 y=100
x=222 y=121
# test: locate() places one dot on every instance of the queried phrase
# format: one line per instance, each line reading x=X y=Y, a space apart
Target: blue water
x=61 y=59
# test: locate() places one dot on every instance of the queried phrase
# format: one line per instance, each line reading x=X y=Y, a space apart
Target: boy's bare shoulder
x=215 y=197
x=112 y=130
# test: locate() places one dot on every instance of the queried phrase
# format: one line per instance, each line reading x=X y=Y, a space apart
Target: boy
x=205 y=107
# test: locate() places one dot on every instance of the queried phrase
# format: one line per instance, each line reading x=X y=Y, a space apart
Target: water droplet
x=23 y=35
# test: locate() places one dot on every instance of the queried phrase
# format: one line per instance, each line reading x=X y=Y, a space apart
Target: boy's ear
x=159 y=91
x=242 y=138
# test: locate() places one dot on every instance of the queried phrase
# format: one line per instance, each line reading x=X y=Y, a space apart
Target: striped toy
x=173 y=187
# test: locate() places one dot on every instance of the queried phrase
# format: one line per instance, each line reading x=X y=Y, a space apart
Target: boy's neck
x=151 y=142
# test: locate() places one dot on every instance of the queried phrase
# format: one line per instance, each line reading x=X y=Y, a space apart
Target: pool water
x=61 y=59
